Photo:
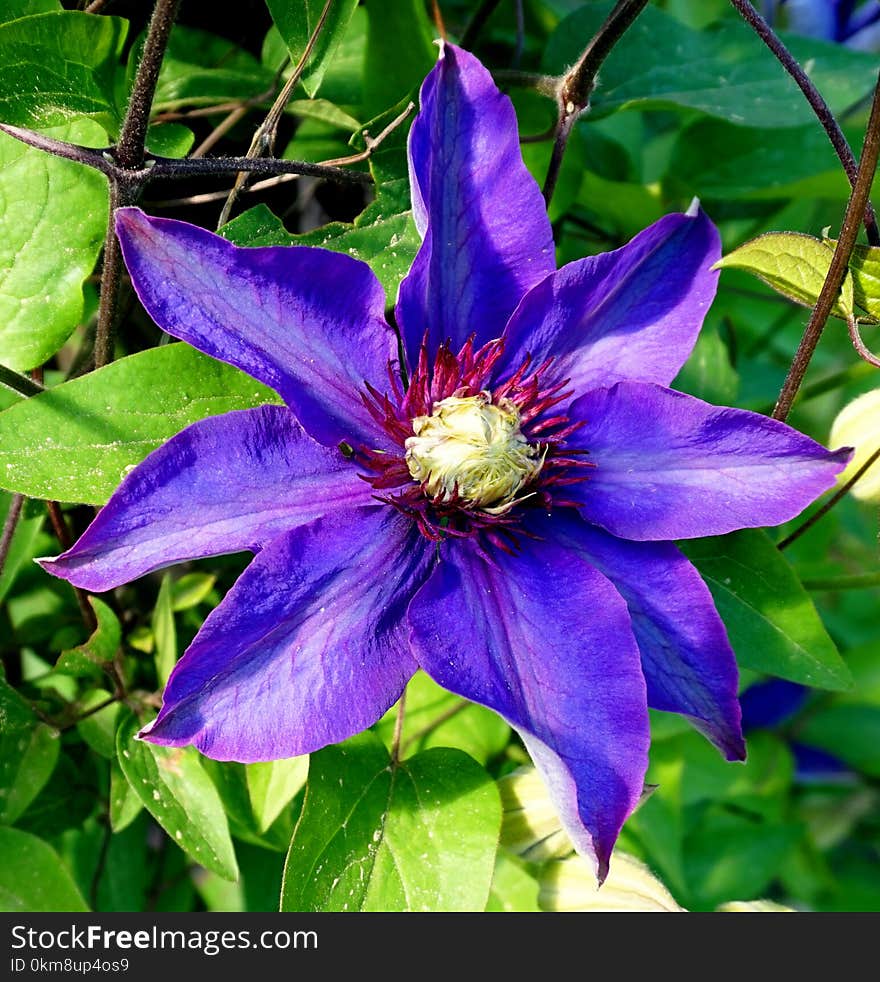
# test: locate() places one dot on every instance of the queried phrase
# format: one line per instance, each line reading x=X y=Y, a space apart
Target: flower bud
x=858 y=425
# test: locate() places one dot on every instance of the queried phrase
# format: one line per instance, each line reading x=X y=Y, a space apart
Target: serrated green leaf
x=70 y=61
x=179 y=794
x=659 y=62
x=33 y=878
x=77 y=441
x=297 y=21
x=770 y=618
x=200 y=68
x=795 y=265
x=164 y=631
x=49 y=208
x=273 y=785
x=418 y=835
x=87 y=659
x=191 y=589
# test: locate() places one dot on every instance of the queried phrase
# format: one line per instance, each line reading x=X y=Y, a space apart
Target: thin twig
x=573 y=97
x=444 y=717
x=19 y=383
x=861 y=348
x=837 y=271
x=9 y=527
x=133 y=135
x=398 y=728
x=830 y=503
x=263 y=141
x=817 y=104
x=65 y=540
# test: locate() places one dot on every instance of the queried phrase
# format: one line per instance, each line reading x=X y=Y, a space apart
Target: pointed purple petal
x=633 y=313
x=545 y=640
x=307 y=648
x=307 y=322
x=689 y=665
x=224 y=484
x=668 y=466
x=487 y=238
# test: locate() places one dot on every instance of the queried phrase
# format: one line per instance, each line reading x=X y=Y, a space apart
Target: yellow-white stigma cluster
x=471 y=448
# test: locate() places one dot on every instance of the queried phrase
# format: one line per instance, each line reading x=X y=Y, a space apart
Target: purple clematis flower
x=496 y=505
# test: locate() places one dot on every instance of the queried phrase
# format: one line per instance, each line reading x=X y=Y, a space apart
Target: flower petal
x=307 y=322
x=307 y=648
x=224 y=484
x=545 y=640
x=633 y=313
x=486 y=240
x=687 y=660
x=668 y=466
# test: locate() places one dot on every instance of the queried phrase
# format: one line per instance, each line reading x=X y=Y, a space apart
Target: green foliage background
x=690 y=103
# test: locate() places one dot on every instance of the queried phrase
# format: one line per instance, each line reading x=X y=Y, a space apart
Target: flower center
x=472 y=450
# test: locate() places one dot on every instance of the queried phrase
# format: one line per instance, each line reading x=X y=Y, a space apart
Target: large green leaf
x=714 y=159
x=33 y=878
x=181 y=797
x=77 y=441
x=297 y=21
x=724 y=70
x=772 y=623
x=203 y=69
x=416 y=835
x=49 y=208
x=28 y=754
x=59 y=65
x=13 y=9
x=401 y=35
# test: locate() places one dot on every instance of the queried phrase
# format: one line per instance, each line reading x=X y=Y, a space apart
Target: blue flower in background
x=851 y=22
x=488 y=491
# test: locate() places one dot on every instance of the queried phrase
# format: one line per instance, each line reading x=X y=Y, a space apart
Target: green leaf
x=99 y=729
x=772 y=623
x=13 y=9
x=513 y=888
x=418 y=835
x=28 y=754
x=164 y=632
x=125 y=805
x=715 y=159
x=48 y=207
x=87 y=659
x=170 y=140
x=77 y=441
x=23 y=544
x=398 y=34
x=58 y=65
x=200 y=68
x=864 y=266
x=273 y=785
x=721 y=70
x=191 y=589
x=708 y=373
x=297 y=21
x=795 y=265
x=178 y=793
x=435 y=717
x=33 y=878
x=849 y=731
